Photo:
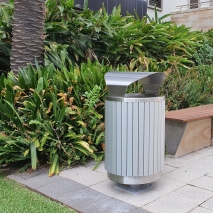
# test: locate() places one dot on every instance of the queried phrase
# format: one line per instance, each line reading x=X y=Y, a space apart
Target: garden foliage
x=51 y=115
x=55 y=113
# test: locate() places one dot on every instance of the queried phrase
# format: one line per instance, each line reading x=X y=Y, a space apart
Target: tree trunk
x=28 y=33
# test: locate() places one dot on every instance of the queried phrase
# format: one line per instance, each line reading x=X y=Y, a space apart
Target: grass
x=17 y=199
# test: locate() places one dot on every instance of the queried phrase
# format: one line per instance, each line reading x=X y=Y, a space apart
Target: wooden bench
x=188 y=130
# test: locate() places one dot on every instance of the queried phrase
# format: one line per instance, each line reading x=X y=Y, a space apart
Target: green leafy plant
x=6 y=11
x=40 y=121
x=204 y=55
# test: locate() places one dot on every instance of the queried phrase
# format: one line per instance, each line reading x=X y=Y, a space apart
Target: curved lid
x=118 y=82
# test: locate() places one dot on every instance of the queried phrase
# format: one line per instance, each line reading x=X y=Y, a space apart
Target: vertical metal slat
x=119 y=138
x=141 y=139
x=146 y=140
x=129 y=140
x=151 y=138
x=135 y=144
x=124 y=139
x=156 y=138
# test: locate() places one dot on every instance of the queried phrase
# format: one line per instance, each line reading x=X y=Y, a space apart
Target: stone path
x=185 y=186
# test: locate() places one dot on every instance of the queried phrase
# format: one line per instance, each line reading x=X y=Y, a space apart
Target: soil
x=9 y=169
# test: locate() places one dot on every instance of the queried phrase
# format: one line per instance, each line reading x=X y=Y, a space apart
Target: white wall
x=171 y=6
x=168 y=7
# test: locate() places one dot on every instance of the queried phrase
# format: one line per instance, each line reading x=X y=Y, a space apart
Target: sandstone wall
x=197 y=19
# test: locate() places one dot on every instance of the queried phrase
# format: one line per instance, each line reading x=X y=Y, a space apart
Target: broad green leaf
x=33 y=155
x=83 y=144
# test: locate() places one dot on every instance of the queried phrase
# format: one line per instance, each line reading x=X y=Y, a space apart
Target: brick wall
x=197 y=19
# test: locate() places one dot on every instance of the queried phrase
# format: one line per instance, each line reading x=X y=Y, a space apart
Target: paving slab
x=168 y=169
x=208 y=204
x=209 y=158
x=107 y=187
x=41 y=180
x=92 y=177
x=28 y=175
x=176 y=162
x=140 y=210
x=200 y=167
x=204 y=182
x=74 y=171
x=100 y=168
x=183 y=175
x=206 y=151
x=60 y=188
x=210 y=174
x=201 y=210
x=195 y=156
x=192 y=194
x=82 y=199
x=16 y=178
x=157 y=189
x=167 y=204
x=111 y=205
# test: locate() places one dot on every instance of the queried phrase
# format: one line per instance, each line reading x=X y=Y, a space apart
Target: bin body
x=135 y=138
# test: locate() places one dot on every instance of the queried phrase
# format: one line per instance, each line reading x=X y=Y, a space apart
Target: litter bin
x=134 y=128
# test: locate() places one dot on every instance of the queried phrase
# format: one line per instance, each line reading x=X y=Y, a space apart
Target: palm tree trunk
x=28 y=33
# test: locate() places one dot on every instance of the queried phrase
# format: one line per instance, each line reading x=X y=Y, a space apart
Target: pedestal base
x=134 y=180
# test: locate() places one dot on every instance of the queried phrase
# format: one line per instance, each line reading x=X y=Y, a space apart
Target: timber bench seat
x=188 y=130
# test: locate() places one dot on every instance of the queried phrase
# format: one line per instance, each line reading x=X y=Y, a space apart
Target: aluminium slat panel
x=141 y=138
x=124 y=139
x=108 y=136
x=129 y=139
x=135 y=134
x=159 y=135
x=119 y=137
x=156 y=138
x=151 y=137
x=135 y=114
x=114 y=133
x=146 y=140
x=162 y=135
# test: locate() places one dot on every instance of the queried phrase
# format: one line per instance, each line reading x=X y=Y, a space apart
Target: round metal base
x=134 y=180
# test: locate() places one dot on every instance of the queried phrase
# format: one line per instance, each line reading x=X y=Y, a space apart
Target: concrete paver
x=41 y=180
x=82 y=199
x=200 y=167
x=205 y=182
x=208 y=204
x=111 y=205
x=100 y=168
x=168 y=169
x=193 y=156
x=60 y=188
x=183 y=175
x=192 y=194
x=176 y=162
x=185 y=186
x=92 y=178
x=200 y=210
x=167 y=204
x=210 y=174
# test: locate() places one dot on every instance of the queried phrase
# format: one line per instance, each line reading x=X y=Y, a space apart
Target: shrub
x=188 y=89
x=44 y=115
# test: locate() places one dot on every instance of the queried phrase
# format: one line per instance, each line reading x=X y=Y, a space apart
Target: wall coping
x=192 y=10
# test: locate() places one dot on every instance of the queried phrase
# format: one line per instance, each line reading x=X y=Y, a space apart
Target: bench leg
x=183 y=138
